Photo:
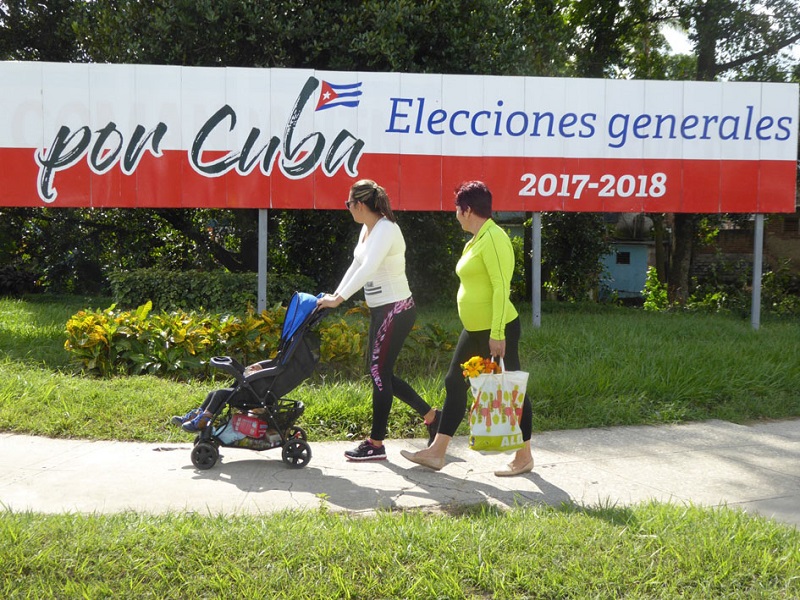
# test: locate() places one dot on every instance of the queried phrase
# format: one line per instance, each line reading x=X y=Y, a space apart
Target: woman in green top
x=491 y=323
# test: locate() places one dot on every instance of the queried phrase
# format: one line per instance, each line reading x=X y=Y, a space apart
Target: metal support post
x=758 y=258
x=262 y=259
x=536 y=268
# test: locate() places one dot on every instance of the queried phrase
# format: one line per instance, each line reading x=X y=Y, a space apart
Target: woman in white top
x=379 y=267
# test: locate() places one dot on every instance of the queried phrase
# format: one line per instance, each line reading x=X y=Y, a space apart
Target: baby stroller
x=256 y=415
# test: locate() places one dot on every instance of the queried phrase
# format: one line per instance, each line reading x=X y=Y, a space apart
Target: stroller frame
x=264 y=391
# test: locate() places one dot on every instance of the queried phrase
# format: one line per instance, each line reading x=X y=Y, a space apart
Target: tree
x=733 y=39
x=739 y=39
x=41 y=30
x=448 y=36
x=45 y=247
x=573 y=244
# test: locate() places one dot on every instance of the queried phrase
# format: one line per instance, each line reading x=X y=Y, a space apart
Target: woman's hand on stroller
x=329 y=301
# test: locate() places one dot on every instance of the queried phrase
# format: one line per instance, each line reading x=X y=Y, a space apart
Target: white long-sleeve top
x=379 y=266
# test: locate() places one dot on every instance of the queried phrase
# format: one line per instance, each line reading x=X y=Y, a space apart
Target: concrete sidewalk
x=755 y=468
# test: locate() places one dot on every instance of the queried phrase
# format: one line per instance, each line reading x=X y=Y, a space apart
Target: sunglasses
x=350 y=203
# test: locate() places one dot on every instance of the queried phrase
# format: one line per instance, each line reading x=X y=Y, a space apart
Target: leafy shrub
x=520 y=260
x=434 y=241
x=723 y=288
x=573 y=245
x=727 y=289
x=654 y=292
x=434 y=337
x=89 y=338
x=199 y=290
x=179 y=344
x=780 y=291
x=16 y=280
x=161 y=343
x=343 y=343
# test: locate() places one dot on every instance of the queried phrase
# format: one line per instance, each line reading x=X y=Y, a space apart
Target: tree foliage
x=31 y=30
x=76 y=249
x=447 y=36
x=572 y=246
x=743 y=40
x=732 y=39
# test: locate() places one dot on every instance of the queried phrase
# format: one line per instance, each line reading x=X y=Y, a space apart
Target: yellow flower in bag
x=477 y=365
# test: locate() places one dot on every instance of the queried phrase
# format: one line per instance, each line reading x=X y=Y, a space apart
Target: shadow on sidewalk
x=382 y=485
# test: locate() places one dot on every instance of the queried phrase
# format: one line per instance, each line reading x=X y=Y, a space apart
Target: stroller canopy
x=301 y=306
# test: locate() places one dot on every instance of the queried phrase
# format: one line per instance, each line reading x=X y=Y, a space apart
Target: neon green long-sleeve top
x=485 y=270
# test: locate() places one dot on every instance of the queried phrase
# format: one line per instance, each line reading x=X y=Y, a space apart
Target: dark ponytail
x=374 y=196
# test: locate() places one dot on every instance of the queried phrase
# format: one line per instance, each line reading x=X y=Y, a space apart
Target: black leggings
x=389 y=327
x=476 y=343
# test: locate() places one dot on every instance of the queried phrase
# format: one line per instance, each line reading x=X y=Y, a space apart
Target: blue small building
x=626 y=269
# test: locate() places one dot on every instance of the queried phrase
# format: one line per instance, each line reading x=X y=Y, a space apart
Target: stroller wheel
x=204 y=455
x=296 y=453
x=296 y=432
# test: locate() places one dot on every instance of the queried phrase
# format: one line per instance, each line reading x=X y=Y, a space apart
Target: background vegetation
x=647 y=552
x=591 y=365
x=46 y=249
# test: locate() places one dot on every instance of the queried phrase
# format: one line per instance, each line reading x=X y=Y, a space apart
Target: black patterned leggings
x=389 y=327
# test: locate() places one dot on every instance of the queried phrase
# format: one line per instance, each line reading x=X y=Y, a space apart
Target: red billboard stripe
x=417 y=182
x=18 y=177
x=774 y=195
x=672 y=197
x=158 y=182
x=738 y=186
x=701 y=186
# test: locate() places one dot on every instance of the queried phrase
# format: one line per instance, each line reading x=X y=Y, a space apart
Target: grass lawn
x=650 y=551
x=590 y=366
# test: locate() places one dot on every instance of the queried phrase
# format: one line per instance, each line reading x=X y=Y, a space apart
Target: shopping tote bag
x=496 y=410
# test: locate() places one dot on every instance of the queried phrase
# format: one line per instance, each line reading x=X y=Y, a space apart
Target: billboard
x=104 y=135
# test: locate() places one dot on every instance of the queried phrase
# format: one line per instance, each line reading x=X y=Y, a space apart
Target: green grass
x=590 y=366
x=650 y=551
x=625 y=367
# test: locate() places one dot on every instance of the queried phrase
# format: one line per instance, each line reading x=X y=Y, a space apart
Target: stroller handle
x=229 y=365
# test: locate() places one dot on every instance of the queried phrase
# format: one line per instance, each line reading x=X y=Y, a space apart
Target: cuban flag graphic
x=332 y=95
